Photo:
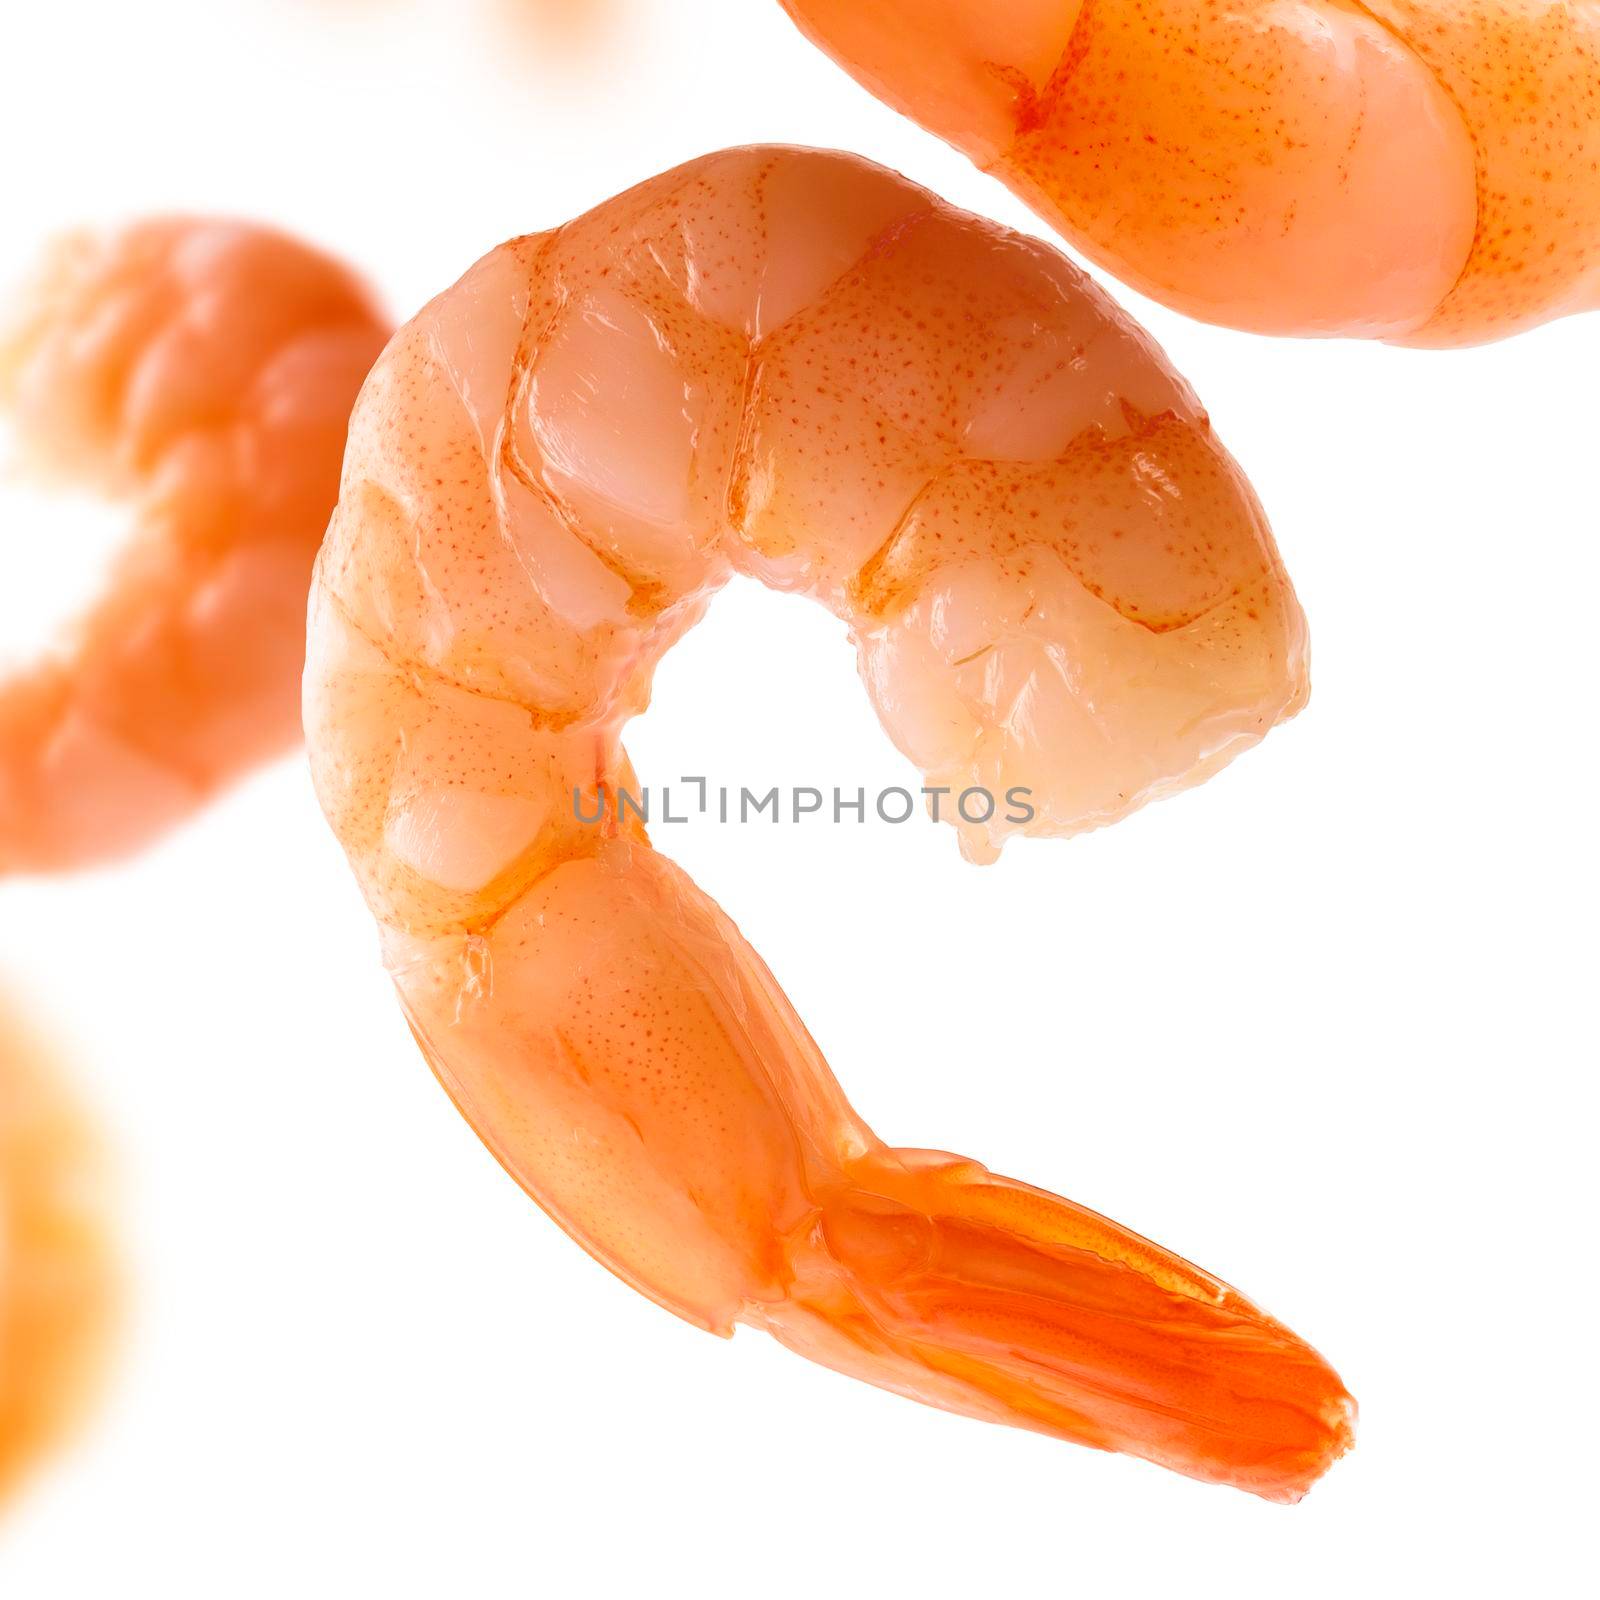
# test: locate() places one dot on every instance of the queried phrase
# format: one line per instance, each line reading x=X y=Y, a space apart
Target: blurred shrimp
x=56 y=1278
x=551 y=33
x=802 y=368
x=1424 y=171
x=560 y=23
x=201 y=371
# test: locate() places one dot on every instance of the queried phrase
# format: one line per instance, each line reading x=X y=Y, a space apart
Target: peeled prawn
x=55 y=1271
x=1424 y=171
x=799 y=367
x=204 y=372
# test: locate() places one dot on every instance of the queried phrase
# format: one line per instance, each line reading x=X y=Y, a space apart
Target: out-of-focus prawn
x=203 y=371
x=796 y=366
x=56 y=1277
x=557 y=29
x=560 y=22
x=1424 y=171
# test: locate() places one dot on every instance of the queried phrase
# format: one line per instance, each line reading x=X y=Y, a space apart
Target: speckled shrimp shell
x=799 y=367
x=1424 y=171
x=203 y=372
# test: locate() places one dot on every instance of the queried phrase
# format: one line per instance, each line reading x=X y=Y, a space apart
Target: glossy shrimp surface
x=202 y=372
x=799 y=367
x=55 y=1272
x=1424 y=171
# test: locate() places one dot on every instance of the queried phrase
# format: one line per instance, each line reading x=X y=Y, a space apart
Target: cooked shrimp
x=799 y=367
x=55 y=1272
x=560 y=22
x=203 y=371
x=1424 y=171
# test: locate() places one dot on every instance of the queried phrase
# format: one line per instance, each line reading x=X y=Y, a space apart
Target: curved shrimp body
x=1424 y=171
x=796 y=366
x=55 y=1272
x=203 y=371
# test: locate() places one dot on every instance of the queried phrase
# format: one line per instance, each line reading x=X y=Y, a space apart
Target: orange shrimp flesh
x=55 y=1260
x=799 y=367
x=203 y=372
x=1423 y=171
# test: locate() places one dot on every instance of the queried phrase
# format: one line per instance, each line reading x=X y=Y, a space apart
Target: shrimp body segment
x=1423 y=171
x=56 y=1279
x=202 y=371
x=796 y=366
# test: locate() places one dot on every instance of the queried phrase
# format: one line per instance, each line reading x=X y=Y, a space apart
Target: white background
x=1321 y=1025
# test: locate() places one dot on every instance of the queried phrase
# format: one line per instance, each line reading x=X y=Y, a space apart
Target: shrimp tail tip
x=992 y=1299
